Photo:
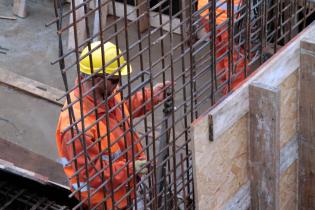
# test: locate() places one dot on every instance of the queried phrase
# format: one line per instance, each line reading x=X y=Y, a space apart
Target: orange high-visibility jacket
x=117 y=149
x=221 y=10
x=222 y=40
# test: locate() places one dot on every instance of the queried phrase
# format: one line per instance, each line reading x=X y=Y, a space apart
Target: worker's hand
x=141 y=165
x=158 y=90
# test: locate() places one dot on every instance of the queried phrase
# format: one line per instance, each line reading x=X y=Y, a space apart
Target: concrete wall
x=221 y=166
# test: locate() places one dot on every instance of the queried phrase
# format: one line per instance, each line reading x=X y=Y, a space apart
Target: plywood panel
x=220 y=167
x=288 y=109
x=80 y=25
x=288 y=188
x=32 y=87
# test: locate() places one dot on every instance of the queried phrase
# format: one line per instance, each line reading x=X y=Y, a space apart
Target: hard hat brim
x=124 y=70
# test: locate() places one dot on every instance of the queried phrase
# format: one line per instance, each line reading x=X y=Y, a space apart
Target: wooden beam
x=273 y=72
x=96 y=25
x=154 y=17
x=264 y=146
x=143 y=11
x=185 y=14
x=31 y=163
x=19 y=8
x=7 y=17
x=307 y=125
x=31 y=86
x=80 y=26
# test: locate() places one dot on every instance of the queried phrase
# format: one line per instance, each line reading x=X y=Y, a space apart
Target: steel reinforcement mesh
x=205 y=48
x=20 y=193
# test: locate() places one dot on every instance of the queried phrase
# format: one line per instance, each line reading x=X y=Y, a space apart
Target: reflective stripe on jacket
x=117 y=148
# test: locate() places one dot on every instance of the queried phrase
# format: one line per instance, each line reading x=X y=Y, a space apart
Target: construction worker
x=222 y=40
x=113 y=164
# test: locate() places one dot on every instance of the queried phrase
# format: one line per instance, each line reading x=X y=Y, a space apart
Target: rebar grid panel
x=14 y=197
x=205 y=48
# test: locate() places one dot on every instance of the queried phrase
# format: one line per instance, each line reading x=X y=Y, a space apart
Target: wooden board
x=19 y=8
x=29 y=161
x=143 y=12
x=80 y=30
x=31 y=86
x=264 y=146
x=154 y=19
x=96 y=25
x=273 y=72
x=306 y=128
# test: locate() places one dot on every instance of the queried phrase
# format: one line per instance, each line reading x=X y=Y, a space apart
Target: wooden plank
x=7 y=17
x=273 y=72
x=19 y=8
x=306 y=191
x=186 y=27
x=143 y=12
x=80 y=30
x=31 y=163
x=154 y=17
x=96 y=25
x=31 y=86
x=306 y=125
x=264 y=146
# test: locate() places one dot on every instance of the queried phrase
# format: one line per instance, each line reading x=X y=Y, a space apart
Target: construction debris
x=3 y=50
x=7 y=17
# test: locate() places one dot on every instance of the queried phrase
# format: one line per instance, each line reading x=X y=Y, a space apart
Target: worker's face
x=111 y=84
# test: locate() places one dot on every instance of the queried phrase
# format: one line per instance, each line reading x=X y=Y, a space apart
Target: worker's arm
x=96 y=165
x=139 y=99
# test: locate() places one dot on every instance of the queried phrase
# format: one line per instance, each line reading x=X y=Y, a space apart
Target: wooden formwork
x=254 y=149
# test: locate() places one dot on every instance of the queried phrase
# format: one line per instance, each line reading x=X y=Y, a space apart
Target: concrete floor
x=29 y=121
x=26 y=120
x=31 y=45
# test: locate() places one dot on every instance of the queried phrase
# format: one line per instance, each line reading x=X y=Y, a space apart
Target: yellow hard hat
x=110 y=53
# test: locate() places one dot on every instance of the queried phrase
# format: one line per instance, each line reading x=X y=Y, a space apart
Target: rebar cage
x=205 y=48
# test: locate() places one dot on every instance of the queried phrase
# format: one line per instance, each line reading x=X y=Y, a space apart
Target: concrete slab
x=31 y=45
x=28 y=121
